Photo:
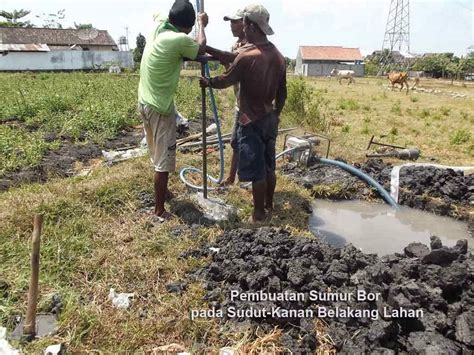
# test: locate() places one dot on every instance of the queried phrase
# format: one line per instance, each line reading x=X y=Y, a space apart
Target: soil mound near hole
x=442 y=191
x=435 y=283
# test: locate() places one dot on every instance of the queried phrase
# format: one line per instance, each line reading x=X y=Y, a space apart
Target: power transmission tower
x=397 y=35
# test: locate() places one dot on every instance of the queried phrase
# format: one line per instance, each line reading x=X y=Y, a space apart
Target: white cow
x=343 y=74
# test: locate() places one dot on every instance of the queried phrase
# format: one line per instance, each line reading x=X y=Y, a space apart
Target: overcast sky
x=436 y=25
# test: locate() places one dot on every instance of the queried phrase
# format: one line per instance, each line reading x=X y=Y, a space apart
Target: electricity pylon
x=397 y=35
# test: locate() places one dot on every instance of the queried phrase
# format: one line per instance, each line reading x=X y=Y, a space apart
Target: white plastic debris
x=53 y=349
x=116 y=156
x=120 y=300
x=214 y=250
x=181 y=120
x=5 y=347
x=226 y=351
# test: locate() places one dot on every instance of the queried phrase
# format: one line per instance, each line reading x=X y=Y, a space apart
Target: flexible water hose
x=350 y=169
x=386 y=196
x=185 y=171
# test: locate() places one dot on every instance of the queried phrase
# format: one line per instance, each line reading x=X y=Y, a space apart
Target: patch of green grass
x=444 y=110
x=346 y=128
x=394 y=131
x=424 y=113
x=20 y=148
x=365 y=130
x=348 y=104
x=397 y=108
x=460 y=136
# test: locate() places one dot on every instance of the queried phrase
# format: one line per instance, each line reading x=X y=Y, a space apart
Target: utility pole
x=397 y=35
x=126 y=35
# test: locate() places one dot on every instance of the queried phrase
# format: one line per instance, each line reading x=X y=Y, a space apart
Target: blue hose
x=386 y=196
x=187 y=170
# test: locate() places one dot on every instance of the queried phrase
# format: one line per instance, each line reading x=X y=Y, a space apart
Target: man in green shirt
x=159 y=75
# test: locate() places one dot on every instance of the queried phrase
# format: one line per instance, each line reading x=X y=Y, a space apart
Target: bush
x=460 y=136
x=299 y=93
x=444 y=110
x=348 y=104
x=425 y=113
x=306 y=106
x=414 y=99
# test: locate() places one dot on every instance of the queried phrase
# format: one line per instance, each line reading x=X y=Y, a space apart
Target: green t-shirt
x=161 y=65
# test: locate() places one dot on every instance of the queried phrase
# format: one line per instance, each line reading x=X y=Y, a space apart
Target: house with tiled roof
x=59 y=49
x=320 y=60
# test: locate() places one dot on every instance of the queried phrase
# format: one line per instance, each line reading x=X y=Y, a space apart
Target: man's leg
x=258 y=191
x=160 y=131
x=161 y=190
x=270 y=190
x=235 y=154
x=233 y=169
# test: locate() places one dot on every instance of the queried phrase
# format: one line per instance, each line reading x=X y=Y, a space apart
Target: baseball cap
x=239 y=15
x=259 y=15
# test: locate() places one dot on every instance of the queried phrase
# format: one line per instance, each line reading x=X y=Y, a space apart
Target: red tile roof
x=330 y=53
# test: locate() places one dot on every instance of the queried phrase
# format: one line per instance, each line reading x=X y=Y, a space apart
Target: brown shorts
x=160 y=133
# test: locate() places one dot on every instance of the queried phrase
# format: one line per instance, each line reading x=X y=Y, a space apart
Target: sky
x=435 y=25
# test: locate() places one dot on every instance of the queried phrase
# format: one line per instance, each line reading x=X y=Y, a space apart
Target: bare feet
x=259 y=217
x=228 y=182
x=163 y=217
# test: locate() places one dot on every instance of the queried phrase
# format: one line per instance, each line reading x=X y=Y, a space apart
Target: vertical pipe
x=204 y=135
x=29 y=328
x=200 y=5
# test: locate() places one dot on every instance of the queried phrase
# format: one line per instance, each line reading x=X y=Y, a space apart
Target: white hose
x=395 y=174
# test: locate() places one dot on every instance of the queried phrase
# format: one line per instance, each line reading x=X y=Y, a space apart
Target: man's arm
x=229 y=78
x=281 y=94
x=222 y=56
x=202 y=40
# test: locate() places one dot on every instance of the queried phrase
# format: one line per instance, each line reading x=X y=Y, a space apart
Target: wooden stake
x=29 y=328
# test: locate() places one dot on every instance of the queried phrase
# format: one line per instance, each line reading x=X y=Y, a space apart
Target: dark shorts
x=256 y=148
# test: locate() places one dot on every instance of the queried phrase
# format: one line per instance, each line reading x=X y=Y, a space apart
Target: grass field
x=96 y=236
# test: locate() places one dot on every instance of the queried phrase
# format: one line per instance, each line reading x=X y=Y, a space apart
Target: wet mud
x=434 y=282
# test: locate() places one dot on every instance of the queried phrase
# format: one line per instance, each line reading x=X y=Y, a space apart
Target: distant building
x=59 y=49
x=320 y=60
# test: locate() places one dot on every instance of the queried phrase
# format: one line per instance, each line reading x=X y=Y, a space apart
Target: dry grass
x=440 y=125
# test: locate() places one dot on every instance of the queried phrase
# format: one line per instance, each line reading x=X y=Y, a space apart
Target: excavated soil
x=442 y=191
x=435 y=280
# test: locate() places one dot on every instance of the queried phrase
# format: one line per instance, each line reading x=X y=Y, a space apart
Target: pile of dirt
x=442 y=191
x=433 y=284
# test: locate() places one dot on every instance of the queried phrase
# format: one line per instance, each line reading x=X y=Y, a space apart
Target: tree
x=13 y=17
x=138 y=51
x=290 y=64
x=53 y=20
x=83 y=26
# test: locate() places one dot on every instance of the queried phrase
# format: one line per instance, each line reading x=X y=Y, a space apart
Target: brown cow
x=398 y=78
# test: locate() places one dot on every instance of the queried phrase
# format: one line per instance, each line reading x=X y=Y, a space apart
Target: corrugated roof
x=330 y=53
x=24 y=48
x=15 y=35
